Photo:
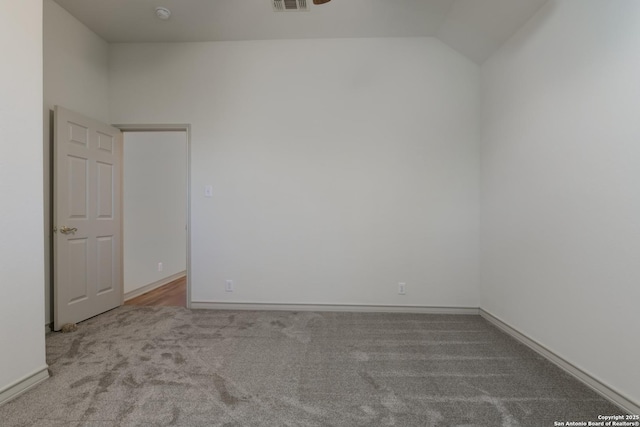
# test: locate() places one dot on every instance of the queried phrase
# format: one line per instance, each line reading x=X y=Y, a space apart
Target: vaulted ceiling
x=475 y=28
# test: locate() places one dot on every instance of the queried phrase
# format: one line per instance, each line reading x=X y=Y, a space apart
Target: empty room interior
x=407 y=212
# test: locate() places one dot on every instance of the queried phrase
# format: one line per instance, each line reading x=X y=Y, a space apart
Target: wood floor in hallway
x=172 y=294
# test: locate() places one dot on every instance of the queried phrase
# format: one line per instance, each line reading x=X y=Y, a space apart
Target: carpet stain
x=179 y=359
x=74 y=349
x=83 y=381
x=127 y=411
x=175 y=413
x=106 y=380
x=130 y=382
x=246 y=325
x=123 y=364
x=226 y=397
x=164 y=383
x=369 y=379
x=278 y=323
x=148 y=346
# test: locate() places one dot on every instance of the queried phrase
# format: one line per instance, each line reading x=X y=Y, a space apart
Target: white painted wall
x=75 y=77
x=560 y=186
x=76 y=65
x=339 y=167
x=155 y=206
x=21 y=206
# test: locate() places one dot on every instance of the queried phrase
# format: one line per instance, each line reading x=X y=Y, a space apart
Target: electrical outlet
x=160 y=266
x=402 y=288
x=228 y=286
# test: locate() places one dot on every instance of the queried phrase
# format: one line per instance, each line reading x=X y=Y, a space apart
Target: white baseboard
x=364 y=308
x=151 y=286
x=25 y=383
x=591 y=382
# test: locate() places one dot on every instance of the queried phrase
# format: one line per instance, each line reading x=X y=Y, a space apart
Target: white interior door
x=87 y=215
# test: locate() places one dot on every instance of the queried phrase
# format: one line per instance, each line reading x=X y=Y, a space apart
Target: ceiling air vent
x=289 y=5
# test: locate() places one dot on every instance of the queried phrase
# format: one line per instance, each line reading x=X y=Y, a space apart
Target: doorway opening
x=156 y=215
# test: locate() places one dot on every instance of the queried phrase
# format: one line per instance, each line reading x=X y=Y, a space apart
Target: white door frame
x=172 y=128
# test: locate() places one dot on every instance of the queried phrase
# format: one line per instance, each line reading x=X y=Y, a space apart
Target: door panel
x=78 y=270
x=105 y=191
x=78 y=187
x=87 y=217
x=105 y=142
x=106 y=249
x=78 y=134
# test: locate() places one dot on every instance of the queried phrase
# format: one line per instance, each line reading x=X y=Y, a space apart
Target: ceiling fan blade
x=321 y=1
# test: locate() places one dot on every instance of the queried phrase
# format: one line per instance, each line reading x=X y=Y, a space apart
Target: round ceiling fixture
x=163 y=13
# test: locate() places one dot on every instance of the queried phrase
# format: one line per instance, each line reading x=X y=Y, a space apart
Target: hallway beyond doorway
x=173 y=294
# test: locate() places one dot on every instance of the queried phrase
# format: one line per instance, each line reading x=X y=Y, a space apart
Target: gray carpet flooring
x=167 y=366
